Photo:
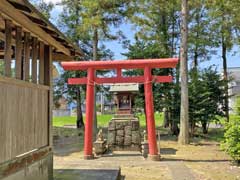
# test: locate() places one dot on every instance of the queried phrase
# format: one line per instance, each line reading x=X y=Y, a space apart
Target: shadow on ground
x=168 y=151
x=194 y=160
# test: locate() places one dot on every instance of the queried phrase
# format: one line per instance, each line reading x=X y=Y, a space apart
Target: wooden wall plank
x=41 y=63
x=26 y=50
x=18 y=53
x=8 y=47
x=24 y=121
x=34 y=60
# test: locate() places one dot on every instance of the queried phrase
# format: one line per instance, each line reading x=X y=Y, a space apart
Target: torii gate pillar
x=89 y=115
x=153 y=151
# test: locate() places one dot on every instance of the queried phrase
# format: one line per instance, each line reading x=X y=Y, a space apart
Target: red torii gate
x=147 y=65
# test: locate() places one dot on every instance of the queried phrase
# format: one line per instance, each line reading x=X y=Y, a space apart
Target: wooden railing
x=24 y=117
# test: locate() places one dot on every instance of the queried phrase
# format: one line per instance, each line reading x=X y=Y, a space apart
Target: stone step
x=88 y=174
x=124 y=119
x=123 y=115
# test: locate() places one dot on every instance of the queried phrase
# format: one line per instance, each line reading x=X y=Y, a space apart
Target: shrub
x=231 y=142
x=237 y=106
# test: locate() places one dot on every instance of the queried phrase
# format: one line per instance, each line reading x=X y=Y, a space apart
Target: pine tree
x=43 y=7
x=97 y=17
x=224 y=15
x=199 y=41
x=158 y=28
x=205 y=97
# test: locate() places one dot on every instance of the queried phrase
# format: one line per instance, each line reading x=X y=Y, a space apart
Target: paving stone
x=90 y=174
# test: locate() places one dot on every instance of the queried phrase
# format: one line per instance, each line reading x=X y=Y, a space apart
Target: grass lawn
x=102 y=120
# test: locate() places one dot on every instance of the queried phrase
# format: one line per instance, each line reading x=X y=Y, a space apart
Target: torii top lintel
x=122 y=64
x=119 y=65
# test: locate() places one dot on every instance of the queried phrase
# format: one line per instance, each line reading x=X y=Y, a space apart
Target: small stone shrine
x=124 y=128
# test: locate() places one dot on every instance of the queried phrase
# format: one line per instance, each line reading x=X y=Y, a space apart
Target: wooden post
x=26 y=61
x=8 y=47
x=41 y=63
x=18 y=52
x=153 y=152
x=34 y=59
x=48 y=67
x=89 y=115
x=48 y=82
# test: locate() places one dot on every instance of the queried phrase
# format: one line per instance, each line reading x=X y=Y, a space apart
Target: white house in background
x=234 y=86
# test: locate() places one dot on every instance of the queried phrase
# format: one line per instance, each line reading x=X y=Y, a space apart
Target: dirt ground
x=201 y=160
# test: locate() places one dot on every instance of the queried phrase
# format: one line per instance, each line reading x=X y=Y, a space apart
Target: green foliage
x=87 y=22
x=61 y=88
x=1 y=67
x=199 y=36
x=231 y=144
x=237 y=106
x=157 y=22
x=206 y=96
x=143 y=50
x=223 y=15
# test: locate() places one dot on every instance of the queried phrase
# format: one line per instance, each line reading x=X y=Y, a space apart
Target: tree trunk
x=165 y=118
x=195 y=60
x=95 y=51
x=184 y=116
x=80 y=122
x=204 y=128
x=102 y=103
x=192 y=125
x=225 y=76
x=174 y=128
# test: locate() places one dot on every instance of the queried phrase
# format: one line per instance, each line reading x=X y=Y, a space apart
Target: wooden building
x=124 y=96
x=29 y=44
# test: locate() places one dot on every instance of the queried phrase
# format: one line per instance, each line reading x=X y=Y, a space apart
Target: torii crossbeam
x=147 y=79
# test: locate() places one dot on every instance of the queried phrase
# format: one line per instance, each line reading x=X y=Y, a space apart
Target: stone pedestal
x=100 y=147
x=124 y=133
x=144 y=149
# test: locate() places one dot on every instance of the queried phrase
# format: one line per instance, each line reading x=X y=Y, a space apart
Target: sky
x=128 y=30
